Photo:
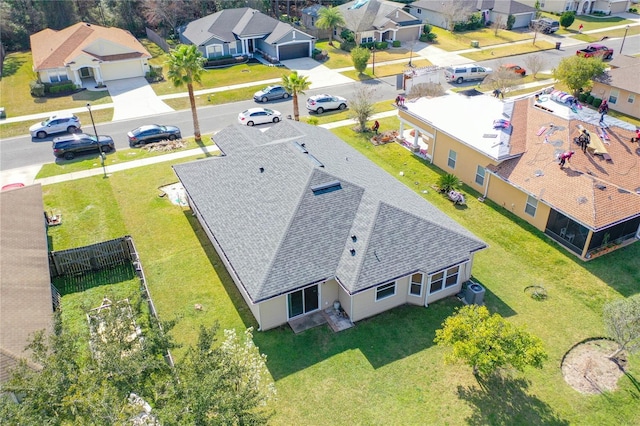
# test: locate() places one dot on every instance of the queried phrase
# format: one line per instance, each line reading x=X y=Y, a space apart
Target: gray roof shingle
x=279 y=235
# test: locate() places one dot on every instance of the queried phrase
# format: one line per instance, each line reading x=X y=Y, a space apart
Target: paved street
x=21 y=157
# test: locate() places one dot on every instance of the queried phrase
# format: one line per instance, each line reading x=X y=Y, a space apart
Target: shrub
x=347 y=46
x=590 y=99
x=583 y=97
x=382 y=45
x=596 y=102
x=432 y=36
x=510 y=21
x=347 y=35
x=448 y=182
x=426 y=29
x=313 y=121
x=396 y=43
x=37 y=89
x=155 y=73
x=55 y=89
x=567 y=18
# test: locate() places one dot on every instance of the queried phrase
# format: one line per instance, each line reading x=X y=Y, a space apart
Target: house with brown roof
x=508 y=151
x=378 y=20
x=620 y=85
x=87 y=53
x=26 y=303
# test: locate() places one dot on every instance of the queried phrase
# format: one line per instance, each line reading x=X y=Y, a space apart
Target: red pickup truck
x=596 y=51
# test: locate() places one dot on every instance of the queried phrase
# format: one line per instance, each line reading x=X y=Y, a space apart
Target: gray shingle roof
x=279 y=235
x=374 y=14
x=230 y=24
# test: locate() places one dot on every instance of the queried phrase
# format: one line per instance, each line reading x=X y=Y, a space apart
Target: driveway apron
x=134 y=97
x=319 y=75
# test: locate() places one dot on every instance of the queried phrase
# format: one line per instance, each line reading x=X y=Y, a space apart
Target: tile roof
x=54 y=49
x=262 y=203
x=591 y=190
x=25 y=284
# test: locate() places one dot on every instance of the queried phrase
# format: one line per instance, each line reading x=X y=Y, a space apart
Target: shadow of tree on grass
x=515 y=407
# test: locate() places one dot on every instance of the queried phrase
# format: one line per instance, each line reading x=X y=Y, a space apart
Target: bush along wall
x=37 y=89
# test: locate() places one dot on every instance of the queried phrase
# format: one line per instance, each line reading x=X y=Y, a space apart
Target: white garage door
x=121 y=69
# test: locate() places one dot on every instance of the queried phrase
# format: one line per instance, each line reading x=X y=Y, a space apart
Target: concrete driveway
x=318 y=74
x=134 y=97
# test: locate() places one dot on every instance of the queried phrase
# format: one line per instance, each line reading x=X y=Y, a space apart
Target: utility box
x=474 y=294
x=475 y=43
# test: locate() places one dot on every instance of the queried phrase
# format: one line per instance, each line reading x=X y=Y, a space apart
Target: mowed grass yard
x=385 y=370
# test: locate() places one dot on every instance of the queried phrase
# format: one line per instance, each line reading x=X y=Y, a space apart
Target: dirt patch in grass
x=588 y=369
x=384 y=137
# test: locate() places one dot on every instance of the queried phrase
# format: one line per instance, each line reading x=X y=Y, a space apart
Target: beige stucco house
x=301 y=220
x=620 y=85
x=87 y=53
x=589 y=205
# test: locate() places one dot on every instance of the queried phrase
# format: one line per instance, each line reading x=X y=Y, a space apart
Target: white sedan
x=254 y=116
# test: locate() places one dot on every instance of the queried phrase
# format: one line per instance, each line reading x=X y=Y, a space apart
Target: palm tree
x=330 y=17
x=295 y=84
x=186 y=65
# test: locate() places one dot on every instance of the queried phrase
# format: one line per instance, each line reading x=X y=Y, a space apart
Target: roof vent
x=326 y=187
x=301 y=147
x=601 y=186
x=582 y=200
x=354 y=238
x=353 y=252
x=538 y=173
x=623 y=191
x=261 y=169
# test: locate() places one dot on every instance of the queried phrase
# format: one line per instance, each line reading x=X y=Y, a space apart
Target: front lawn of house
x=386 y=369
x=508 y=51
x=484 y=36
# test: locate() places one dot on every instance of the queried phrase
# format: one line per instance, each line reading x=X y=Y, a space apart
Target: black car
x=153 y=133
x=68 y=147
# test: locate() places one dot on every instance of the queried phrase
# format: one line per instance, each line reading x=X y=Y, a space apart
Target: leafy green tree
x=510 y=21
x=220 y=384
x=361 y=106
x=538 y=9
x=622 y=322
x=576 y=72
x=328 y=19
x=295 y=84
x=360 y=57
x=487 y=342
x=186 y=65
x=567 y=18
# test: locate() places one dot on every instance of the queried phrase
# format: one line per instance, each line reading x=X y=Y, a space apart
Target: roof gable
x=54 y=49
x=279 y=234
x=366 y=15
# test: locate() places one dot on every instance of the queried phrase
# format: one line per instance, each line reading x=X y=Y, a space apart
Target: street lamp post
x=95 y=131
x=624 y=37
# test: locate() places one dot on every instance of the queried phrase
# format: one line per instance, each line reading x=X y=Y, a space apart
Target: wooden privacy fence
x=155 y=37
x=90 y=258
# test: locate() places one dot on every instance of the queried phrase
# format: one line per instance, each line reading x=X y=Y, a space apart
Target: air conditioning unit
x=474 y=293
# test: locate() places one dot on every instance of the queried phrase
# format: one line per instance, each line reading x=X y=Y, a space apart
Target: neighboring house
x=90 y=52
x=591 y=203
x=308 y=17
x=379 y=20
x=581 y=7
x=245 y=31
x=437 y=12
x=301 y=220
x=621 y=86
x=26 y=303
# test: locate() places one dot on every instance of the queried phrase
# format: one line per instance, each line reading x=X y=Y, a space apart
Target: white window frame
x=233 y=48
x=385 y=287
x=58 y=76
x=445 y=278
x=419 y=11
x=480 y=174
x=214 y=48
x=614 y=94
x=412 y=283
x=531 y=207
x=451 y=159
x=632 y=98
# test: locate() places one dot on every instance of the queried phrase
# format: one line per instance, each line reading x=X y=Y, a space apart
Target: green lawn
x=615 y=33
x=385 y=70
x=508 y=51
x=339 y=58
x=589 y=22
x=17 y=73
x=386 y=366
x=485 y=36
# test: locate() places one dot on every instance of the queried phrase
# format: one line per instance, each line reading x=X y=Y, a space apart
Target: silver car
x=58 y=123
x=270 y=93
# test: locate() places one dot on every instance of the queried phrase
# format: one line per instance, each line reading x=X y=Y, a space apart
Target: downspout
x=435 y=138
x=486 y=187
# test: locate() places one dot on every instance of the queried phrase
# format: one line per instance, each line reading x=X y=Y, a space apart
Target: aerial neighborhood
x=368 y=212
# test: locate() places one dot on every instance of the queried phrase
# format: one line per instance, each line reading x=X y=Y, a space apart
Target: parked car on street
x=545 y=25
x=596 y=51
x=322 y=103
x=58 y=123
x=152 y=133
x=515 y=68
x=270 y=93
x=460 y=73
x=253 y=116
x=68 y=147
